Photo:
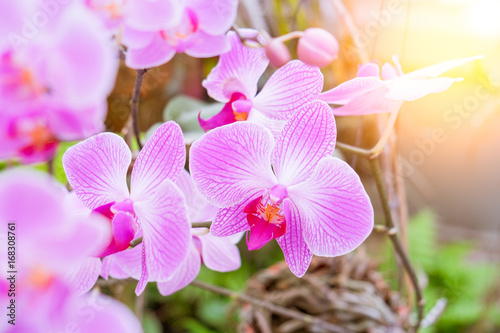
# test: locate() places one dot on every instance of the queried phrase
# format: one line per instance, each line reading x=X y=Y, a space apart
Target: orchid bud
x=277 y=52
x=317 y=47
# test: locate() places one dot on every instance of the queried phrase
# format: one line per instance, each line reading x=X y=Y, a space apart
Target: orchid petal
x=440 y=68
x=336 y=212
x=238 y=70
x=136 y=39
x=83 y=61
x=261 y=232
x=206 y=45
x=371 y=103
x=199 y=209
x=292 y=243
x=113 y=317
x=219 y=253
x=184 y=275
x=289 y=88
x=410 y=90
x=152 y=15
x=230 y=221
x=156 y=53
x=369 y=69
x=162 y=157
x=215 y=16
x=124 y=264
x=389 y=72
x=308 y=136
x=166 y=233
x=97 y=169
x=352 y=89
x=231 y=161
x=83 y=274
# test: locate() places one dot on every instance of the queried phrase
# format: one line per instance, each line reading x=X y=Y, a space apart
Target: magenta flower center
x=266 y=217
x=123 y=222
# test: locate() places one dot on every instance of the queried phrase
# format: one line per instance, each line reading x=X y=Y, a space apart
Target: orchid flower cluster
x=264 y=167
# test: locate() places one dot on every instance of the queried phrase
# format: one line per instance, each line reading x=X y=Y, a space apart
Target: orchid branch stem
x=134 y=104
x=375 y=167
x=318 y=323
x=379 y=146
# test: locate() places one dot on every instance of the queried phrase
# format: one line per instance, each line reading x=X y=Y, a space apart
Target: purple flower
x=48 y=238
x=217 y=253
x=373 y=91
x=154 y=208
x=155 y=30
x=54 y=77
x=290 y=189
x=234 y=82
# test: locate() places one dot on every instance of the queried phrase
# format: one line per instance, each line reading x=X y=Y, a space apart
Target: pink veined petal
x=108 y=315
x=206 y=45
x=152 y=15
x=274 y=125
x=289 y=88
x=336 y=212
x=184 y=275
x=124 y=264
x=308 y=136
x=156 y=53
x=292 y=243
x=97 y=169
x=83 y=274
x=214 y=16
x=371 y=103
x=162 y=157
x=230 y=221
x=109 y=268
x=232 y=161
x=199 y=209
x=412 y=89
x=368 y=69
x=238 y=70
x=352 y=89
x=219 y=253
x=440 y=68
x=166 y=233
x=83 y=60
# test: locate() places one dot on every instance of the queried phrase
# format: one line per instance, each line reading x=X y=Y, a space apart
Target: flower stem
x=134 y=105
x=375 y=167
x=318 y=323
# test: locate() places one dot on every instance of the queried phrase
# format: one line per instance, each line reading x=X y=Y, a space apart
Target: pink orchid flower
x=48 y=237
x=154 y=208
x=217 y=253
x=194 y=27
x=376 y=91
x=54 y=79
x=234 y=82
x=290 y=189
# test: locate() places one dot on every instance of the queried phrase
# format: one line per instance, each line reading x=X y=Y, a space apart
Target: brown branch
x=324 y=326
x=374 y=164
x=134 y=104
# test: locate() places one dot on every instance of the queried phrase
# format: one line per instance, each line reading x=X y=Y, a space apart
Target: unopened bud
x=277 y=52
x=317 y=47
